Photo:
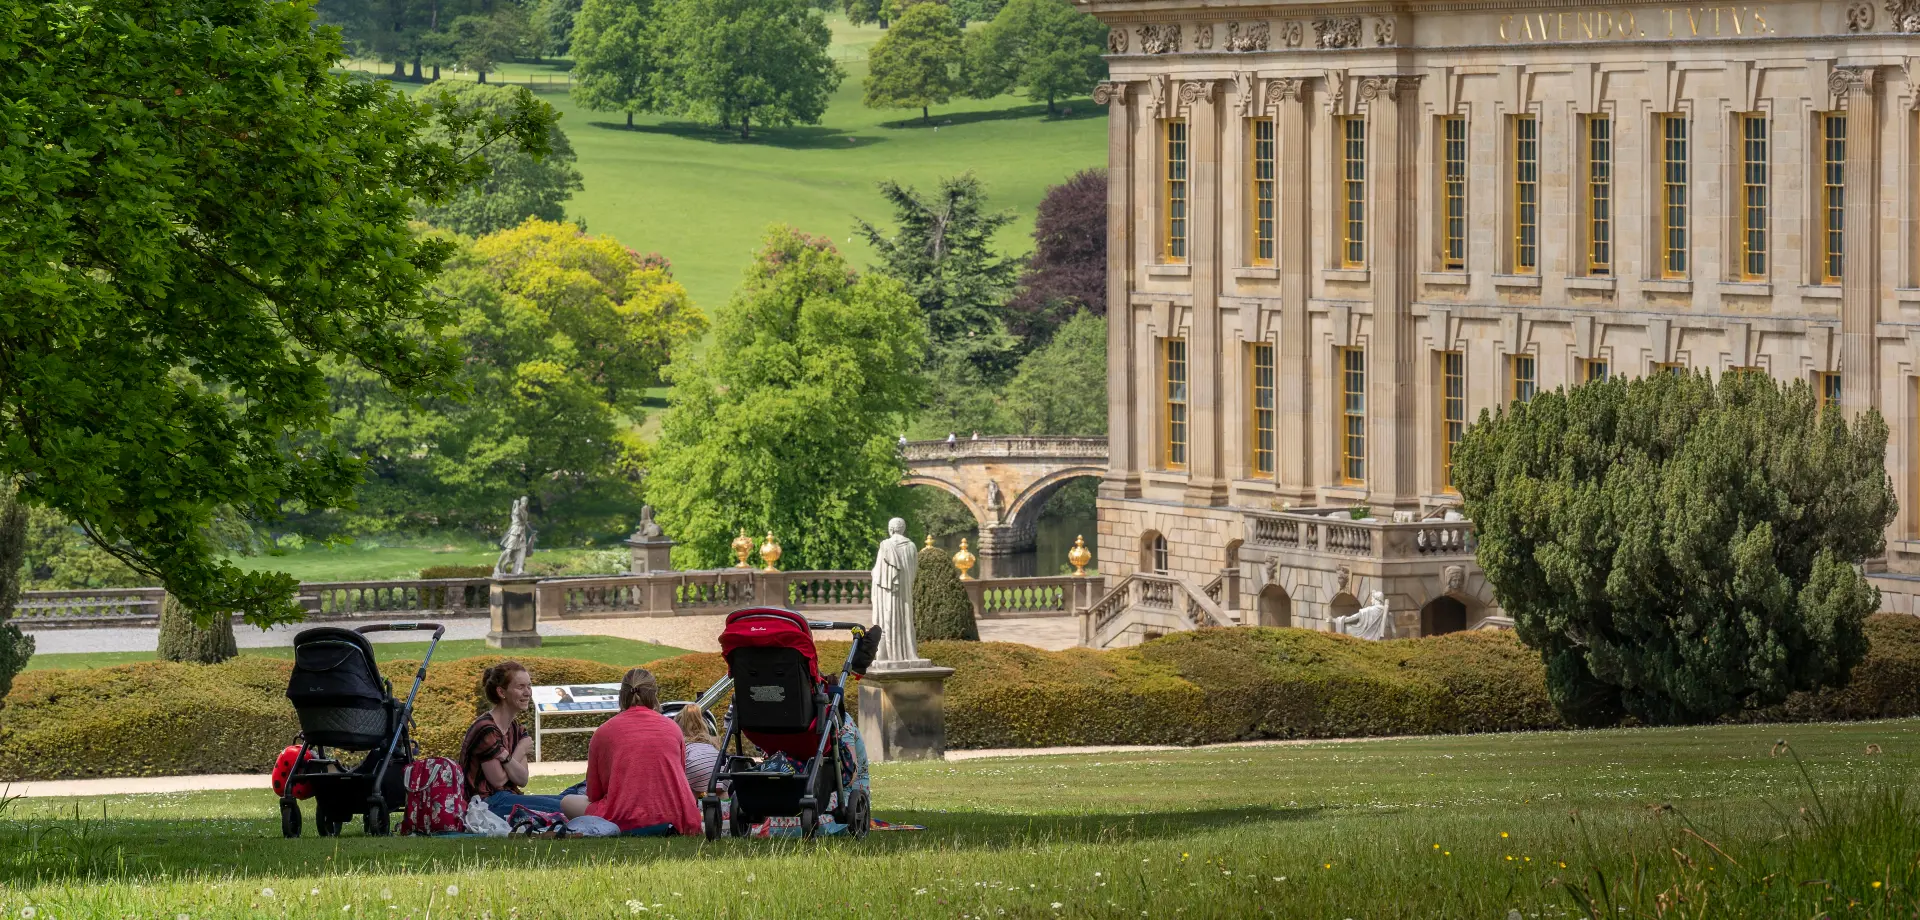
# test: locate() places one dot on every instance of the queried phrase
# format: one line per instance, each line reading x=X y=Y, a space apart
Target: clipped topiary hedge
x=1189 y=688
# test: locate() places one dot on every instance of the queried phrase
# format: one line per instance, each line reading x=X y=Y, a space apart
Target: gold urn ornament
x=1079 y=556
x=770 y=553
x=742 y=548
x=929 y=540
x=963 y=560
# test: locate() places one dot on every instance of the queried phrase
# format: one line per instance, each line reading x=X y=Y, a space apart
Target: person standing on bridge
x=903 y=442
x=951 y=440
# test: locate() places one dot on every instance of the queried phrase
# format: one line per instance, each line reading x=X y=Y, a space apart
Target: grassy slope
x=604 y=649
x=701 y=197
x=1456 y=827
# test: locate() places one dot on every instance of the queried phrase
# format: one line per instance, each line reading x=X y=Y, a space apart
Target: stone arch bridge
x=1004 y=481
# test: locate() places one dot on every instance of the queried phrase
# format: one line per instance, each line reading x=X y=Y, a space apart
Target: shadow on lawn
x=43 y=851
x=791 y=138
x=1065 y=110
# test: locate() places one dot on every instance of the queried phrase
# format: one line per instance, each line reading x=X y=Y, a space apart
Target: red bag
x=436 y=800
x=283 y=768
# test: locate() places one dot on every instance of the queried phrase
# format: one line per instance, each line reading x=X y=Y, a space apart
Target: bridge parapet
x=1017 y=447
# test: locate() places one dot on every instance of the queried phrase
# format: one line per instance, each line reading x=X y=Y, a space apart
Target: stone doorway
x=1443 y=615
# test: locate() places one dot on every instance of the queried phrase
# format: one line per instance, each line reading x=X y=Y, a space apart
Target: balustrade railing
x=1333 y=531
x=1035 y=447
x=1047 y=595
x=97 y=603
x=449 y=596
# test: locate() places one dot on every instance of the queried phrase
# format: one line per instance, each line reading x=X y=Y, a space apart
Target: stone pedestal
x=650 y=554
x=903 y=711
x=513 y=616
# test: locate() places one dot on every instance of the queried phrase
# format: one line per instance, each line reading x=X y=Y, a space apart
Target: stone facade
x=1475 y=198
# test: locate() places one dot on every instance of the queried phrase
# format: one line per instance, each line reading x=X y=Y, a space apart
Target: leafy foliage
x=620 y=63
x=480 y=40
x=966 y=11
x=736 y=62
x=15 y=646
x=198 y=214
x=553 y=23
x=519 y=184
x=1061 y=388
x=1045 y=47
x=941 y=609
x=1069 y=268
x=863 y=12
x=788 y=421
x=1679 y=548
x=917 y=63
x=563 y=333
x=942 y=250
x=186 y=641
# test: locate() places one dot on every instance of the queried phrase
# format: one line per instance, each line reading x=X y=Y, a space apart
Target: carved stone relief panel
x=1290 y=33
x=1253 y=38
x=1203 y=37
x=1383 y=33
x=1337 y=32
x=1860 y=15
x=1905 y=15
x=1159 y=39
x=1116 y=41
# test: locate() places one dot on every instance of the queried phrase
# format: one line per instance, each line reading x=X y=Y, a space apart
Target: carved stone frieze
x=1203 y=37
x=1290 y=33
x=1383 y=33
x=1116 y=41
x=1905 y=15
x=1860 y=15
x=1159 y=39
x=1337 y=32
x=1110 y=92
x=1253 y=38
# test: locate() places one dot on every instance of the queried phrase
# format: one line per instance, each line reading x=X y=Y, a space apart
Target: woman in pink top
x=636 y=766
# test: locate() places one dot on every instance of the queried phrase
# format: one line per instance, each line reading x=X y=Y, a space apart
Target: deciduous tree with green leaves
x=917 y=63
x=15 y=646
x=1679 y=548
x=518 y=185
x=1045 y=47
x=1061 y=387
x=199 y=213
x=741 y=62
x=619 y=61
x=787 y=423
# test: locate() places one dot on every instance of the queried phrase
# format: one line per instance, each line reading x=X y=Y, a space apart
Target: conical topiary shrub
x=182 y=640
x=941 y=609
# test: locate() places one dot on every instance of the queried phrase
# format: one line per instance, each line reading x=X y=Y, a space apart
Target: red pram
x=783 y=704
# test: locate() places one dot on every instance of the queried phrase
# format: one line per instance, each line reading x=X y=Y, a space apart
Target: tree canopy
x=1679 y=548
x=917 y=63
x=1045 y=47
x=1068 y=273
x=199 y=214
x=518 y=184
x=738 y=62
x=787 y=423
x=1060 y=388
x=619 y=61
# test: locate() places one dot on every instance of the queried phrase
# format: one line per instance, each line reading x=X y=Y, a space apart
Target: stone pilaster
x=1286 y=100
x=1123 y=455
x=1206 y=470
x=1393 y=125
x=1857 y=90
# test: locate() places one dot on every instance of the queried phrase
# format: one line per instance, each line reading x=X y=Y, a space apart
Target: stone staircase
x=1144 y=606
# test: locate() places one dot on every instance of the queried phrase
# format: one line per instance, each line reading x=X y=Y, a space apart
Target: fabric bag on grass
x=481 y=820
x=283 y=768
x=434 y=802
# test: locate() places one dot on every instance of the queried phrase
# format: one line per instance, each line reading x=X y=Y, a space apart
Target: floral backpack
x=436 y=802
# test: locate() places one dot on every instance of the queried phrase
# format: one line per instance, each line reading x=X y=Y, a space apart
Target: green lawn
x=1703 y=821
x=624 y=653
x=370 y=559
x=701 y=196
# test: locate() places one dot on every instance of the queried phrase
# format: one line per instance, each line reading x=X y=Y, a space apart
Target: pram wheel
x=377 y=822
x=738 y=824
x=710 y=819
x=325 y=826
x=857 y=815
x=809 y=820
x=289 y=820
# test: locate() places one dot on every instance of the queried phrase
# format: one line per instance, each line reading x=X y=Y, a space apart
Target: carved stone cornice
x=1110 y=92
x=1393 y=87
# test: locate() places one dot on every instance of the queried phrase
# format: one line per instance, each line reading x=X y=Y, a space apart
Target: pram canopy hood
x=770 y=627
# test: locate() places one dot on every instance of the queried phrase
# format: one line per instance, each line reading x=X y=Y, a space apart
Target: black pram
x=344 y=704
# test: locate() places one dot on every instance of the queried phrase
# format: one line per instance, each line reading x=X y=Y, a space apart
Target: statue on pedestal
x=1372 y=622
x=894 y=568
x=648 y=529
x=516 y=543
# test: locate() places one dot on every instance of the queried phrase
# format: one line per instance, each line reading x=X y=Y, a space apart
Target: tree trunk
x=746 y=126
x=436 y=73
x=399 y=70
x=181 y=639
x=482 y=75
x=416 y=67
x=923 y=114
x=629 y=119
x=1049 y=103
x=15 y=647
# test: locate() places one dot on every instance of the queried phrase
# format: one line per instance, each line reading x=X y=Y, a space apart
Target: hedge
x=1188 y=688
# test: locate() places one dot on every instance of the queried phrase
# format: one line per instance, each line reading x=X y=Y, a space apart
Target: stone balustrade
x=1052 y=595
x=1022 y=447
x=1333 y=532
x=1144 y=605
x=50 y=607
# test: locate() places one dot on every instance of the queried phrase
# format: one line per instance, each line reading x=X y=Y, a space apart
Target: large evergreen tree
x=742 y=62
x=1679 y=548
x=787 y=423
x=917 y=63
x=179 y=264
x=519 y=184
x=619 y=62
x=1045 y=47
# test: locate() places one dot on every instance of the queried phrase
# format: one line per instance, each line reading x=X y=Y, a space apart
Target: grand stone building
x=1339 y=231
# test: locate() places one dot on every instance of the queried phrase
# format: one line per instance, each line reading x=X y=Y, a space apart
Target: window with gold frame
x=1755 y=174
x=1670 y=367
x=1262 y=408
x=1353 y=192
x=1353 y=415
x=1833 y=195
x=1674 y=184
x=1174 y=376
x=1453 y=184
x=1260 y=189
x=1827 y=388
x=1175 y=194
x=1453 y=411
x=1521 y=380
x=1593 y=369
x=1525 y=163
x=1599 y=195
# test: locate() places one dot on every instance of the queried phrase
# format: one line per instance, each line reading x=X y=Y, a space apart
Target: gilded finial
x=963 y=560
x=929 y=540
x=770 y=553
x=1079 y=556
x=742 y=548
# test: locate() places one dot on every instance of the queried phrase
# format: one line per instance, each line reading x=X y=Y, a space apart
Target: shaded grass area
x=371 y=559
x=1639 y=823
x=623 y=653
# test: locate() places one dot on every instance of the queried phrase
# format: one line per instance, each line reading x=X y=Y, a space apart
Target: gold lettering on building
x=1620 y=25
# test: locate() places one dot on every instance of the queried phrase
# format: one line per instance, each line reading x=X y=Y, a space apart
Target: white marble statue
x=516 y=543
x=1373 y=622
x=893 y=570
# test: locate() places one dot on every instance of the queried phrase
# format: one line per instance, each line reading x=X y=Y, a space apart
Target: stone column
x=513 y=616
x=1123 y=456
x=1207 y=407
x=1857 y=90
x=903 y=712
x=1393 y=122
x=650 y=553
x=1286 y=99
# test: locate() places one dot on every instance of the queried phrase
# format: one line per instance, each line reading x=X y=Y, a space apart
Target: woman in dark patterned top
x=494 y=753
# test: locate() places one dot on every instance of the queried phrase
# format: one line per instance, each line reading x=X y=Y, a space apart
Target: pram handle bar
x=419 y=677
x=438 y=630
x=834 y=624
